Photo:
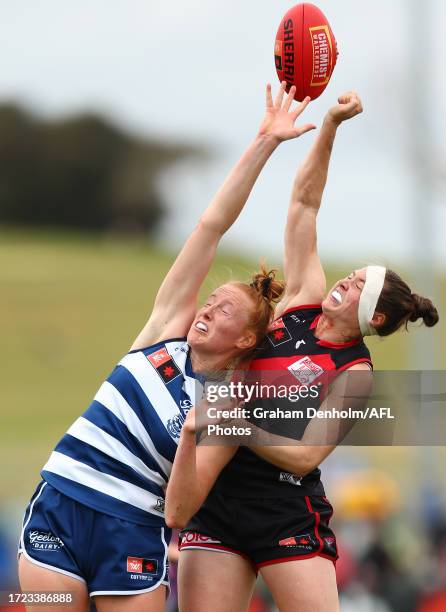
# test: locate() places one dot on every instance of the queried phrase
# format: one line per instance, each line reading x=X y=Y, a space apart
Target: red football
x=305 y=51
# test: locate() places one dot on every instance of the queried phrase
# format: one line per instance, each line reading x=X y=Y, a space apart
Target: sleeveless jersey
x=291 y=348
x=117 y=457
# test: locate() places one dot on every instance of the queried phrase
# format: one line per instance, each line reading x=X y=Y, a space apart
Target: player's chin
x=327 y=305
x=195 y=337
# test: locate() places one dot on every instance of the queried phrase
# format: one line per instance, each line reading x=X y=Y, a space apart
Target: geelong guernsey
x=117 y=457
x=291 y=351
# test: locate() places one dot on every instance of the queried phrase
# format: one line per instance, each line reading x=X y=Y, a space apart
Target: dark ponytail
x=423 y=309
x=400 y=306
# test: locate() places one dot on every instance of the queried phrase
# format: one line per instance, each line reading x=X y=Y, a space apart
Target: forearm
x=182 y=490
x=312 y=175
x=297 y=459
x=233 y=194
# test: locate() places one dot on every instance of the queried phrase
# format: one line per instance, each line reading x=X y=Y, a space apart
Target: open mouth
x=336 y=296
x=201 y=326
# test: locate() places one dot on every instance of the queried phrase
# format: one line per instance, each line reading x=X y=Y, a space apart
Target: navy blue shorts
x=112 y=556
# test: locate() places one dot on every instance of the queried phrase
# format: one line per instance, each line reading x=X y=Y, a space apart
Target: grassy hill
x=70 y=307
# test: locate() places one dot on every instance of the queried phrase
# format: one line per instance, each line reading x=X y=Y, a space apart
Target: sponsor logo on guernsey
x=305 y=370
x=290 y=478
x=139 y=565
x=45 y=540
x=160 y=504
x=191 y=537
x=279 y=333
x=306 y=541
x=164 y=365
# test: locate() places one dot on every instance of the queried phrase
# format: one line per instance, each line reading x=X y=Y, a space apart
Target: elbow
x=175 y=517
x=306 y=464
x=212 y=225
x=175 y=521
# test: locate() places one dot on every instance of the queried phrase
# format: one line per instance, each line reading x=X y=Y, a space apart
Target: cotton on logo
x=134 y=565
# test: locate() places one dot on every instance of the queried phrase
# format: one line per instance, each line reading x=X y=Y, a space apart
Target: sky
x=195 y=71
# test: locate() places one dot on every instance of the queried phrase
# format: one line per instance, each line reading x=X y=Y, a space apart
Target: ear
x=247 y=341
x=378 y=320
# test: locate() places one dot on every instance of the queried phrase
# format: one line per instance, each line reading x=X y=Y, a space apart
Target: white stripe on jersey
x=88 y=432
x=104 y=483
x=110 y=397
x=152 y=384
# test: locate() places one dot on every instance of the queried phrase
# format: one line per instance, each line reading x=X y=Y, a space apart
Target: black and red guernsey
x=291 y=352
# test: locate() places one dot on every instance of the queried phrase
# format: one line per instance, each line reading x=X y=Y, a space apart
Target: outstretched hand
x=279 y=119
x=349 y=106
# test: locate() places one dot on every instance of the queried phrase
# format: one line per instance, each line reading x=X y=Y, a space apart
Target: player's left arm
x=194 y=472
x=350 y=389
x=304 y=275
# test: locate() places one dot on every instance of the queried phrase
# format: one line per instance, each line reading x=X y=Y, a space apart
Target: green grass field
x=70 y=307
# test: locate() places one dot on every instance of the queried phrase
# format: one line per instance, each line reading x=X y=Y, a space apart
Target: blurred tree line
x=80 y=172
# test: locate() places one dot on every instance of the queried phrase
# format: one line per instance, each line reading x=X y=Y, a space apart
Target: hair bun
x=266 y=284
x=424 y=309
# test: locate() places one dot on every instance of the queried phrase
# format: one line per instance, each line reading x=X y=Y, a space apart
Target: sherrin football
x=305 y=51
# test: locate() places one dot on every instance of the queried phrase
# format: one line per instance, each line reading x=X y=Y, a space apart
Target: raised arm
x=304 y=274
x=176 y=301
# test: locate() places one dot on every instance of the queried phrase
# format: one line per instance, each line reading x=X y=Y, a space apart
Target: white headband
x=373 y=286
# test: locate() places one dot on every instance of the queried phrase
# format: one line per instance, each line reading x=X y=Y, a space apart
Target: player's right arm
x=176 y=301
x=304 y=275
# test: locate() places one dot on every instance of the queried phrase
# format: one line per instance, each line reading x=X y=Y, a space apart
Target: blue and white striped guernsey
x=117 y=457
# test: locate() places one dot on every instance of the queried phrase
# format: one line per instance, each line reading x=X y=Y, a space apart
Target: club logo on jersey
x=290 y=478
x=279 y=333
x=138 y=565
x=44 y=540
x=306 y=541
x=305 y=370
x=298 y=343
x=164 y=365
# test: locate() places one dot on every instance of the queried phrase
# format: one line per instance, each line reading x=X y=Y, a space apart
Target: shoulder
x=299 y=313
x=170 y=344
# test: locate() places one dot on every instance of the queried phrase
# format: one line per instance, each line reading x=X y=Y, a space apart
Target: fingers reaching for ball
x=280 y=117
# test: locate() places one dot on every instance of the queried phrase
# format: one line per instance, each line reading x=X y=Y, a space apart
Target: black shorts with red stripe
x=263 y=530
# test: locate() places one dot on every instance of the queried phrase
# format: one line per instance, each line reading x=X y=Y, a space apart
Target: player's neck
x=215 y=365
x=334 y=331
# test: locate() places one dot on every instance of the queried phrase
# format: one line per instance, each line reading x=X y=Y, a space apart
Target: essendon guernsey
x=291 y=354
